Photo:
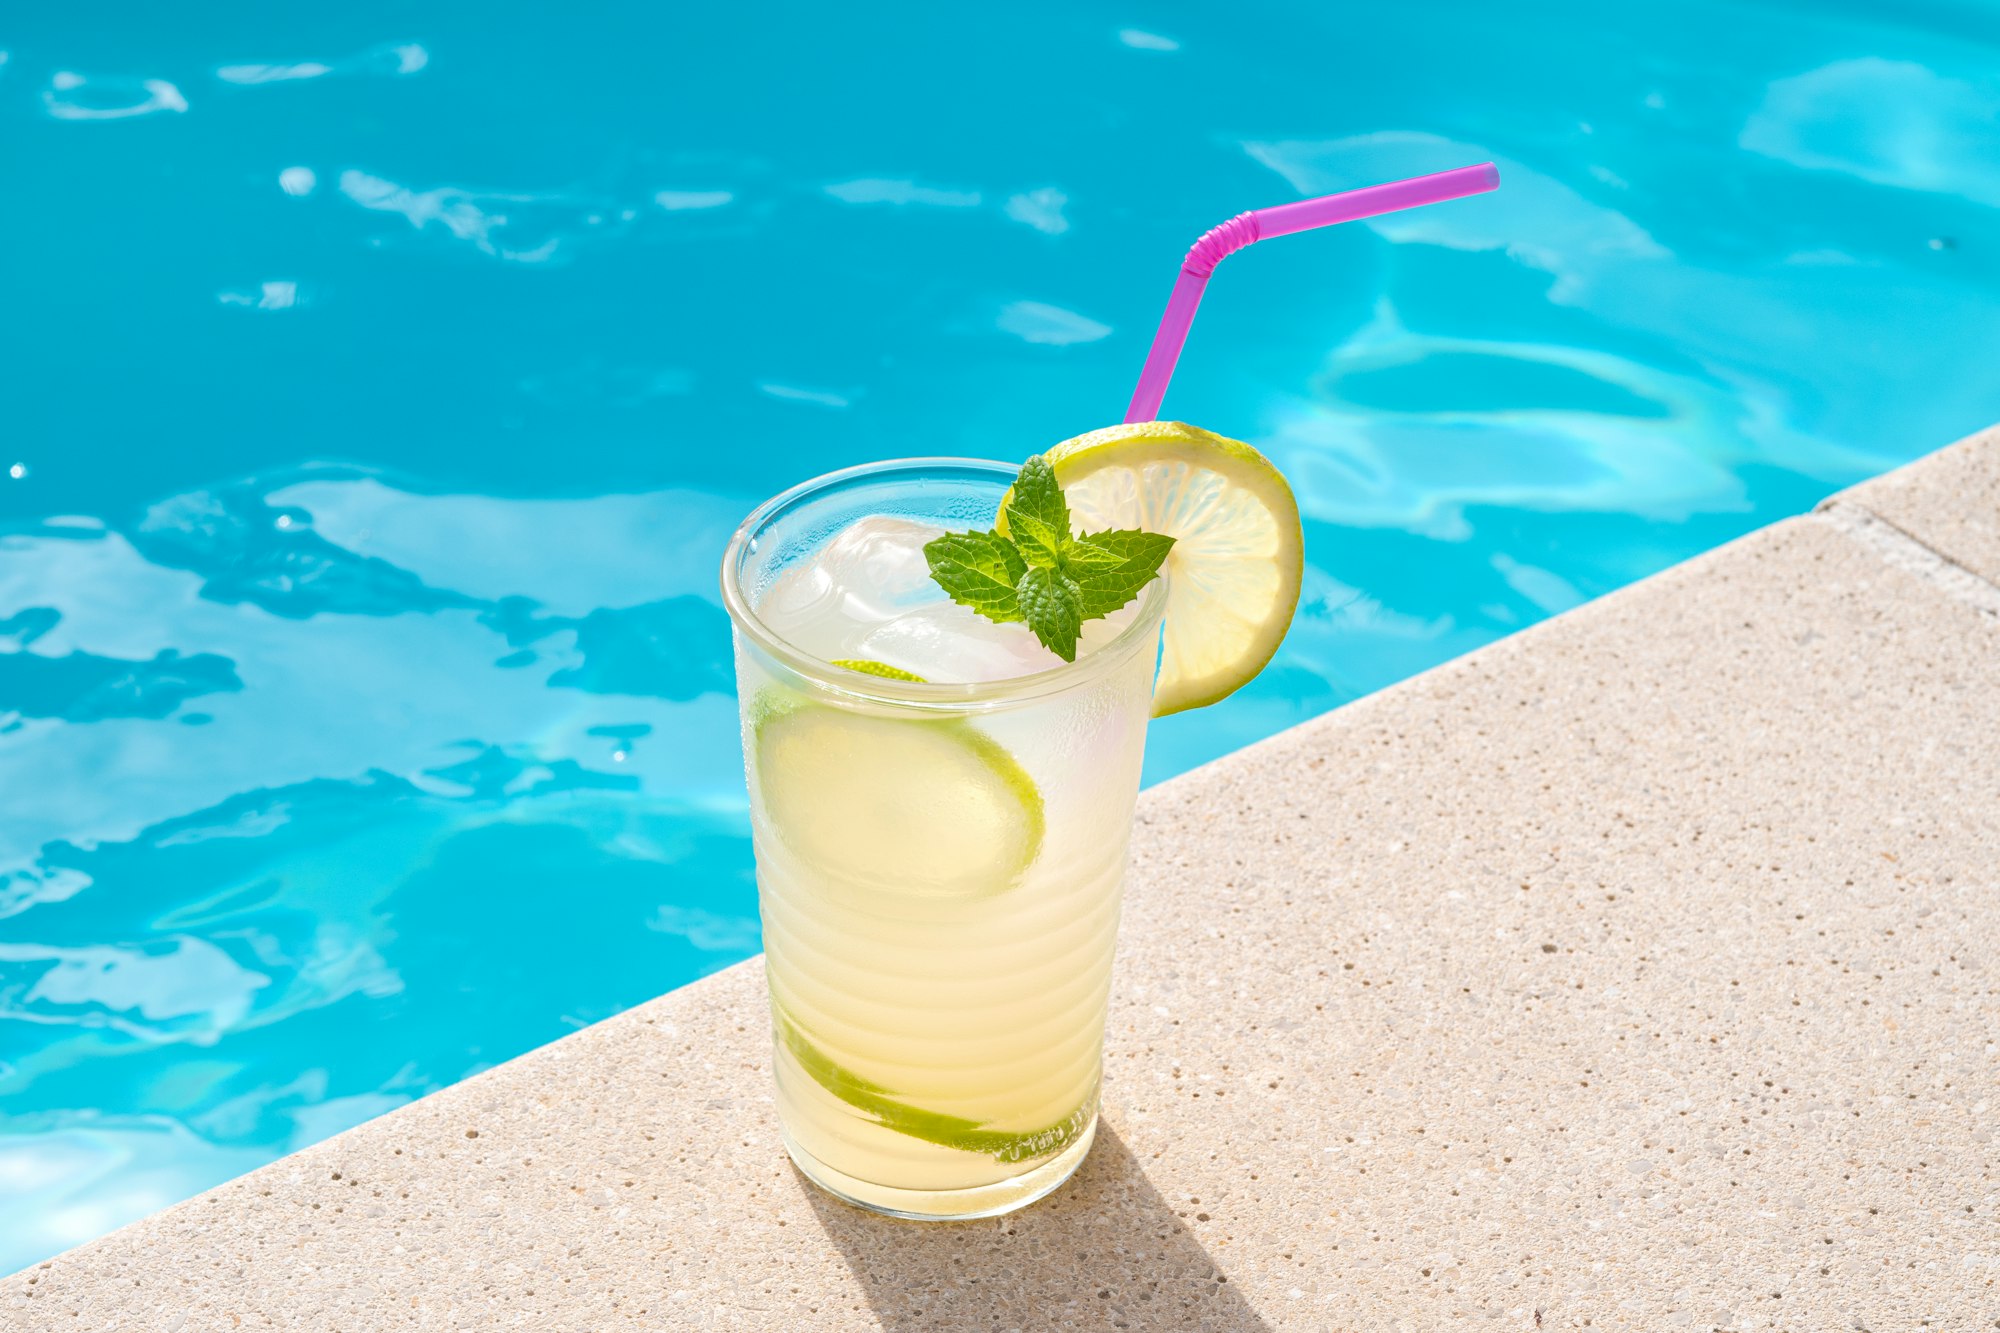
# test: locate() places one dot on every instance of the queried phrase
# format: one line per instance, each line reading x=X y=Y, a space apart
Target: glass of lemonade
x=939 y=860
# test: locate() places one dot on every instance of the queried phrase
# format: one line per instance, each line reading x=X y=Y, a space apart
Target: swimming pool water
x=380 y=382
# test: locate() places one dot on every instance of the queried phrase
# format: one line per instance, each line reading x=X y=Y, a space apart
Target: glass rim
x=939 y=695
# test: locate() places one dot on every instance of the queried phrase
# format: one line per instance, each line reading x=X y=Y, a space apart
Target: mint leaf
x=1083 y=554
x=1111 y=567
x=980 y=570
x=868 y=666
x=1037 y=516
x=1037 y=571
x=1052 y=604
x=1040 y=545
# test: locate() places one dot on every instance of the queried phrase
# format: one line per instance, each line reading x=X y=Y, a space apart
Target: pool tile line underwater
x=1633 y=971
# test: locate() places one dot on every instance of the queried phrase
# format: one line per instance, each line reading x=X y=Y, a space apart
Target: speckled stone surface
x=1949 y=501
x=1639 y=972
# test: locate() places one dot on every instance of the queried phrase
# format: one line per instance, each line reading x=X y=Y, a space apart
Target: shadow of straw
x=1104 y=1251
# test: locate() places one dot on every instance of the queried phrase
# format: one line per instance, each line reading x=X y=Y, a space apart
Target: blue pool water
x=380 y=381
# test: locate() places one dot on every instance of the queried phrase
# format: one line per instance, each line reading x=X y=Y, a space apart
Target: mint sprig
x=1039 y=572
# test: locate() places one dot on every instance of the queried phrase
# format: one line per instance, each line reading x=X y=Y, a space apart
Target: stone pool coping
x=1637 y=971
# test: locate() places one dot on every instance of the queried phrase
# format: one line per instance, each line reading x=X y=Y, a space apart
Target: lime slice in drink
x=869 y=667
x=1233 y=575
x=946 y=1131
x=913 y=805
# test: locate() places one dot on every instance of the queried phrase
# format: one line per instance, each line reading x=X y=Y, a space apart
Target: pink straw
x=1221 y=242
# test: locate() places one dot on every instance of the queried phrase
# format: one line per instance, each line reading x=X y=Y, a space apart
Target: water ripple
x=675 y=201
x=278 y=294
x=248 y=550
x=83 y=687
x=1041 y=209
x=1049 y=325
x=175 y=986
x=520 y=227
x=394 y=59
x=878 y=190
x=1889 y=122
x=73 y=96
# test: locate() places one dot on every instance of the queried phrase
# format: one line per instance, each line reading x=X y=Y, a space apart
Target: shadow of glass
x=1104 y=1251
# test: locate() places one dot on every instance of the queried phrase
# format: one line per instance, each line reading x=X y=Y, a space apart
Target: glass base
x=946 y=1205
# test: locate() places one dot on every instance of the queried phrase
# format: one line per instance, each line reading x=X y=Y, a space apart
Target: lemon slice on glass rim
x=1233 y=574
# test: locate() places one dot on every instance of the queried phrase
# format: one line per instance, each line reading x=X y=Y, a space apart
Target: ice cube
x=871 y=571
x=868 y=594
x=946 y=641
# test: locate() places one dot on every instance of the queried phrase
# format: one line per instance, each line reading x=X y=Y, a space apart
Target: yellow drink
x=939 y=863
